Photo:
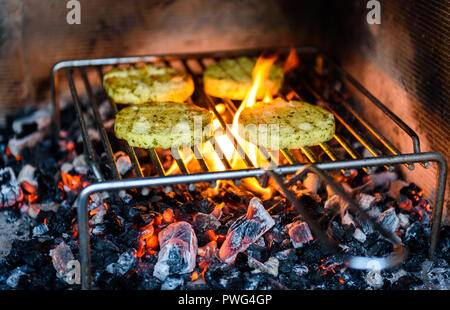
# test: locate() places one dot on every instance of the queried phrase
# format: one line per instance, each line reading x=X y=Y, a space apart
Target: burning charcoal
x=99 y=213
x=10 y=191
x=14 y=277
x=359 y=235
x=178 y=245
x=366 y=201
x=123 y=162
x=80 y=164
x=246 y=230
x=208 y=251
x=312 y=183
x=172 y=283
x=62 y=257
x=124 y=263
x=389 y=220
x=269 y=267
x=40 y=230
x=299 y=233
x=42 y=119
x=27 y=179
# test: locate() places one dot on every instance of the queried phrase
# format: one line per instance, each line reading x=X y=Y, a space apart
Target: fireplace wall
x=403 y=61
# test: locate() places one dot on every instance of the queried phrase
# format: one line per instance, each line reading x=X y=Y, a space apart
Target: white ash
x=299 y=233
x=125 y=197
x=80 y=164
x=97 y=218
x=178 y=245
x=105 y=110
x=123 y=162
x=10 y=191
x=42 y=118
x=11 y=230
x=300 y=270
x=16 y=145
x=62 y=258
x=124 y=263
x=347 y=220
x=284 y=255
x=172 y=283
x=260 y=242
x=389 y=220
x=246 y=230
x=374 y=212
x=27 y=174
x=404 y=220
x=14 y=277
x=383 y=178
x=269 y=267
x=366 y=201
x=66 y=167
x=359 y=235
x=46 y=206
x=98 y=230
x=40 y=230
x=205 y=222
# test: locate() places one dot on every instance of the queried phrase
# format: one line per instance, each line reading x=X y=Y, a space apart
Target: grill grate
x=313 y=82
x=375 y=143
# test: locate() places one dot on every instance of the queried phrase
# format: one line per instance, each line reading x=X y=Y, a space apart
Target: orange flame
x=259 y=76
x=292 y=61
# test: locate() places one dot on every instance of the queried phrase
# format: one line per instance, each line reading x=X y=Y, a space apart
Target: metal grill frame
x=395 y=157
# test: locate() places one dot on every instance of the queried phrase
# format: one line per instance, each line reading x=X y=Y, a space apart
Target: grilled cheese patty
x=148 y=83
x=232 y=78
x=299 y=124
x=163 y=125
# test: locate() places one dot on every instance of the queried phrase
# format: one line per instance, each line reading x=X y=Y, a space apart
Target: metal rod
x=180 y=163
x=216 y=147
x=255 y=172
x=369 y=146
x=199 y=157
x=84 y=131
x=128 y=149
x=309 y=154
x=290 y=158
x=317 y=232
x=378 y=103
x=156 y=162
x=400 y=252
x=100 y=126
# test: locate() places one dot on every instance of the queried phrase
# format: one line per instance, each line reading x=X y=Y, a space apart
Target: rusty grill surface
x=314 y=81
